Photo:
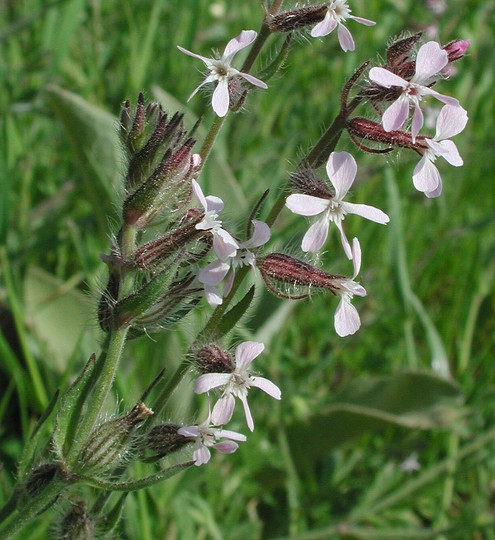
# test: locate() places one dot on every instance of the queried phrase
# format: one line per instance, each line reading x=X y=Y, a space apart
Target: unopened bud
x=111 y=442
x=41 y=477
x=306 y=181
x=165 y=439
x=77 y=524
x=399 y=56
x=297 y=18
x=292 y=278
x=213 y=359
x=457 y=49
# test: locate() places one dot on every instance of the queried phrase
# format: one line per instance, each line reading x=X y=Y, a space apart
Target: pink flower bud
x=213 y=359
x=457 y=49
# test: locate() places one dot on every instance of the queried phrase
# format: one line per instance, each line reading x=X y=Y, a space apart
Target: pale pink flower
x=430 y=61
x=207 y=436
x=215 y=272
x=221 y=71
x=341 y=170
x=337 y=13
x=223 y=242
x=236 y=384
x=346 y=320
x=450 y=122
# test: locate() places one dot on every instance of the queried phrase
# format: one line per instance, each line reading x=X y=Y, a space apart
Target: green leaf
x=92 y=132
x=60 y=317
x=232 y=317
x=416 y=400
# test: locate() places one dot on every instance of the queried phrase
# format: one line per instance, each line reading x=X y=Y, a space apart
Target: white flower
x=430 y=61
x=346 y=320
x=206 y=436
x=216 y=271
x=236 y=384
x=341 y=170
x=337 y=13
x=221 y=71
x=450 y=122
x=223 y=243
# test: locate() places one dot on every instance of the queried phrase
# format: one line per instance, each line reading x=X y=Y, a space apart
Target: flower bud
x=399 y=59
x=293 y=279
x=297 y=18
x=457 y=49
x=77 y=524
x=306 y=181
x=213 y=359
x=111 y=442
x=164 y=439
x=41 y=477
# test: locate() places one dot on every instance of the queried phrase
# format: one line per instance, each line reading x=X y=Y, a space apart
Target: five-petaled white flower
x=223 y=242
x=450 y=122
x=337 y=13
x=207 y=436
x=430 y=61
x=341 y=170
x=346 y=320
x=221 y=71
x=215 y=272
x=236 y=384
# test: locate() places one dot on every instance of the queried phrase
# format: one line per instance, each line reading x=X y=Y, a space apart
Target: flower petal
x=436 y=192
x=341 y=169
x=425 y=175
x=360 y=20
x=441 y=97
x=227 y=287
x=214 y=203
x=386 y=78
x=261 y=235
x=253 y=80
x=208 y=79
x=208 y=381
x=224 y=244
x=213 y=296
x=207 y=61
x=450 y=122
x=345 y=39
x=366 y=211
x=213 y=273
x=198 y=192
x=347 y=321
x=247 y=412
x=246 y=352
x=243 y=40
x=448 y=150
x=356 y=261
x=306 y=205
x=226 y=447
x=201 y=455
x=267 y=386
x=345 y=242
x=324 y=27
x=189 y=431
x=223 y=410
x=417 y=122
x=431 y=58
x=316 y=236
x=395 y=116
x=234 y=435
x=220 y=100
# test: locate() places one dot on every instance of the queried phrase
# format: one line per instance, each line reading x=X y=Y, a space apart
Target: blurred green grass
x=429 y=274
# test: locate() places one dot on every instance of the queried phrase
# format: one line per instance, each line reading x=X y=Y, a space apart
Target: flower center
x=339 y=10
x=243 y=258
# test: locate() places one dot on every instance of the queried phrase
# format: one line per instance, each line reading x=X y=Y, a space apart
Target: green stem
x=211 y=138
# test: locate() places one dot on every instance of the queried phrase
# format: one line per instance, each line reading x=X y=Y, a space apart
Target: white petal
x=253 y=80
x=324 y=27
x=227 y=434
x=341 y=169
x=220 y=99
x=213 y=273
x=201 y=456
x=226 y=447
x=444 y=99
x=436 y=192
x=425 y=175
x=448 y=150
x=345 y=39
x=386 y=78
x=356 y=260
x=450 y=122
x=430 y=60
x=244 y=39
x=261 y=235
x=316 y=236
x=189 y=431
x=306 y=205
x=213 y=296
x=224 y=244
x=198 y=192
x=347 y=321
x=228 y=283
x=214 y=203
x=246 y=352
x=207 y=61
x=366 y=211
x=208 y=79
x=267 y=386
x=395 y=116
x=247 y=412
x=223 y=410
x=417 y=122
x=345 y=242
x=208 y=381
x=360 y=20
